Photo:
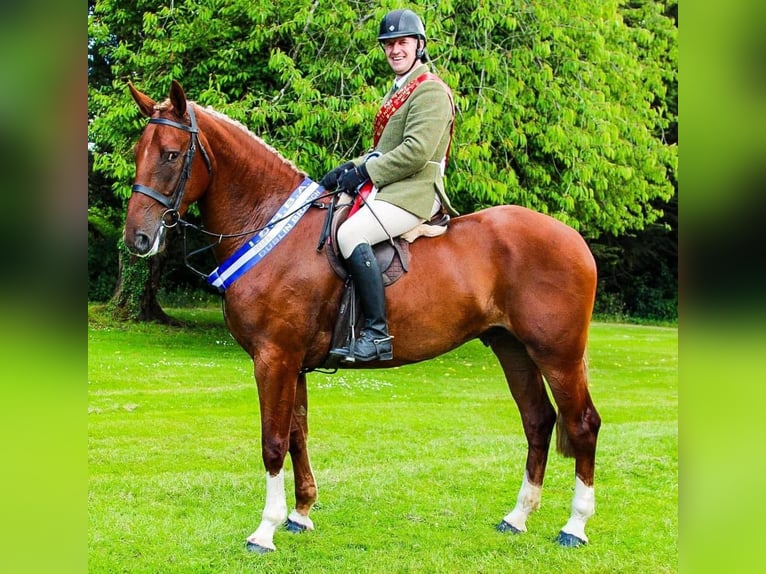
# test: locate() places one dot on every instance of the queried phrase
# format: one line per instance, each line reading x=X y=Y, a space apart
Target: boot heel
x=386 y=356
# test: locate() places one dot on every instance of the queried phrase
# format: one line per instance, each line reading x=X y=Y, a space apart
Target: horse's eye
x=171 y=156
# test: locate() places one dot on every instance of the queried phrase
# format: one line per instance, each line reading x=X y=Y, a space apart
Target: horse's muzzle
x=141 y=244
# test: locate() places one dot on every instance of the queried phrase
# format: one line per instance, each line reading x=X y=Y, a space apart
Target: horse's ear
x=178 y=98
x=145 y=103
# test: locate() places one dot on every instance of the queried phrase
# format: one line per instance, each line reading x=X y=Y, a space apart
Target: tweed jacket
x=413 y=146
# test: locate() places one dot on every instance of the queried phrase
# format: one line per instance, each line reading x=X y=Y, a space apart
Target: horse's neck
x=251 y=180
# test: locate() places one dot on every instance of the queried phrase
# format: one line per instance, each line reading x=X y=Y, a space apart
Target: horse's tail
x=563 y=445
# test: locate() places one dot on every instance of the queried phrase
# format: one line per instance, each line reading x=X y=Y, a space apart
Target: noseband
x=170 y=217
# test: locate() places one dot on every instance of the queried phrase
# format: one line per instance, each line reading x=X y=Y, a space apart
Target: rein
x=221 y=236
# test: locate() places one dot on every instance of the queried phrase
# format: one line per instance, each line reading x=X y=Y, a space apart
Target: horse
x=521 y=281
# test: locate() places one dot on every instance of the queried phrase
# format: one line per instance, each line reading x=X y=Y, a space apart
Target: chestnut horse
x=522 y=282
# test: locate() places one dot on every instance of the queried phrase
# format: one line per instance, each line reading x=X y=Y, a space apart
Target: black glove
x=352 y=179
x=330 y=179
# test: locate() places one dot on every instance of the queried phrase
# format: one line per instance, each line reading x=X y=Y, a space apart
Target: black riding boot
x=374 y=342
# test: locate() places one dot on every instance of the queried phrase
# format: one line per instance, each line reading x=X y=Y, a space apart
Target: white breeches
x=371 y=228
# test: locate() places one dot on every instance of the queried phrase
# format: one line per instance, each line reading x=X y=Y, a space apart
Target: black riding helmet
x=401 y=23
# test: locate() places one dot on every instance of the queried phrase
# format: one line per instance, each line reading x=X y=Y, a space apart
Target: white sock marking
x=527 y=502
x=304 y=521
x=274 y=512
x=583 y=507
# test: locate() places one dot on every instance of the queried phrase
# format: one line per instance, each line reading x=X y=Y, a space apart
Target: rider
x=406 y=169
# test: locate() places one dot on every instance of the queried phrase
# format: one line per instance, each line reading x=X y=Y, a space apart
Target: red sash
x=384 y=114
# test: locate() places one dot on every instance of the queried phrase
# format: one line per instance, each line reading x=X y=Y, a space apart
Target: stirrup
x=342 y=352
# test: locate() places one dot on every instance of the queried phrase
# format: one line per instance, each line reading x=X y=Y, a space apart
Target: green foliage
x=650 y=297
x=105 y=218
x=559 y=104
x=103 y=234
x=638 y=273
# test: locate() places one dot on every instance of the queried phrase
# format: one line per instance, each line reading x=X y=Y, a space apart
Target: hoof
x=569 y=540
x=294 y=527
x=505 y=527
x=257 y=549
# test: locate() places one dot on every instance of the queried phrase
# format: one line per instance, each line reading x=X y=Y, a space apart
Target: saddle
x=393 y=258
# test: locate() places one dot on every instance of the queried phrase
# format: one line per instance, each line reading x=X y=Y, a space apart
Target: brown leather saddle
x=393 y=258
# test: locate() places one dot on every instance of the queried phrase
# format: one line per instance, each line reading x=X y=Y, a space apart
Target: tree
x=559 y=104
x=638 y=271
x=137 y=283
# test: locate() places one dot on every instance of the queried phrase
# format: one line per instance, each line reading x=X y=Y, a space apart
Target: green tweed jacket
x=413 y=145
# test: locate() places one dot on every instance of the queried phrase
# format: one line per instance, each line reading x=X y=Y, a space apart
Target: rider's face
x=400 y=53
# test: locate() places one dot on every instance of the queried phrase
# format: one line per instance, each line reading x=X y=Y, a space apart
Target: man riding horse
x=412 y=135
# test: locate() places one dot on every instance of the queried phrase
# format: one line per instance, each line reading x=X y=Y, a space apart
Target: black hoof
x=569 y=540
x=505 y=527
x=258 y=549
x=294 y=527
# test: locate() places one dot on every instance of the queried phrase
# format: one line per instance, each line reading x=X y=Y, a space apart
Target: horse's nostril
x=142 y=242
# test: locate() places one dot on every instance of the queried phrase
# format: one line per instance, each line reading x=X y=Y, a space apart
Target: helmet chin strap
x=418 y=51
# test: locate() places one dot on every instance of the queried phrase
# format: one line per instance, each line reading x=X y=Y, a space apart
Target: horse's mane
x=239 y=125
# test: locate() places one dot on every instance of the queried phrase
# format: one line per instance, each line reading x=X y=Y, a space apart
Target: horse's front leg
x=305 y=484
x=276 y=376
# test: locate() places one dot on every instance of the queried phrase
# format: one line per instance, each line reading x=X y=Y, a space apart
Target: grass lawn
x=415 y=465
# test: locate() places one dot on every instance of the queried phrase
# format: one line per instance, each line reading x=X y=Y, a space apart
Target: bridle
x=170 y=217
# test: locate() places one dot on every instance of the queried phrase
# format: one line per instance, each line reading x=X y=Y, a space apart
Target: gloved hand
x=330 y=179
x=352 y=179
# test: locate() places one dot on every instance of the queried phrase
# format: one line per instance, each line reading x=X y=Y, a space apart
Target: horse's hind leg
x=538 y=418
x=305 y=484
x=577 y=430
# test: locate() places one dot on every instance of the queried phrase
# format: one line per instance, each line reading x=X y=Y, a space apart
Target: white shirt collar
x=398 y=82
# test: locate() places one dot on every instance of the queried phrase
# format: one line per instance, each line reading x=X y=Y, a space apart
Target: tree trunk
x=138 y=282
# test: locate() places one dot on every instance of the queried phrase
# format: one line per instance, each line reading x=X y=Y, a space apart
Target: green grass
x=415 y=465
